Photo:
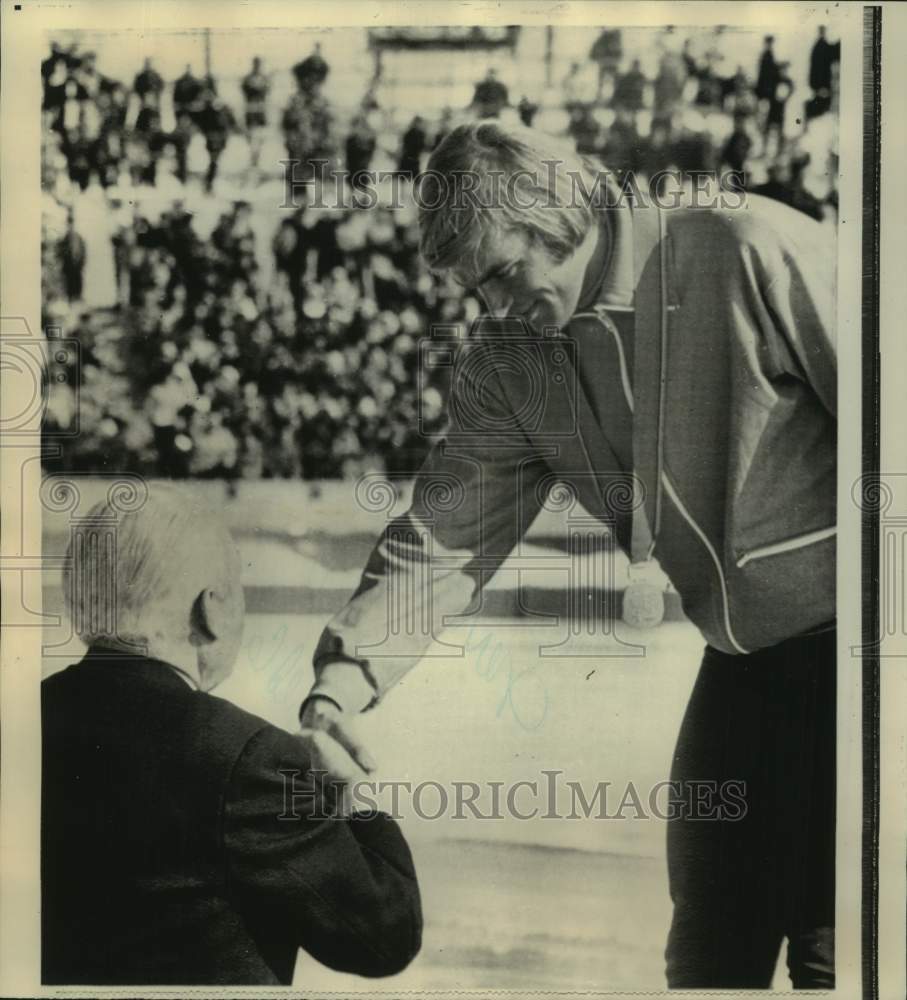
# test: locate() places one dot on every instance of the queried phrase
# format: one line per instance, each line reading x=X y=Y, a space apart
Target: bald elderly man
x=170 y=851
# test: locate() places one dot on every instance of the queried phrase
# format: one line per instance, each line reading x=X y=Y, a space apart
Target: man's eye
x=503 y=276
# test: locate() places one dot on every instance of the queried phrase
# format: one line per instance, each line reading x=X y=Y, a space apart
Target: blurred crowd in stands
x=221 y=338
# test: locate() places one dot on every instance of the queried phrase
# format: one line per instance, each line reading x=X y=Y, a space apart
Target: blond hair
x=485 y=179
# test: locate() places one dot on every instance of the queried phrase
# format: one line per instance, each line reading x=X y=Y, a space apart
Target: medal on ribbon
x=644 y=602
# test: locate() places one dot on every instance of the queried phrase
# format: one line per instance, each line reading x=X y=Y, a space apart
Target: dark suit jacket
x=167 y=856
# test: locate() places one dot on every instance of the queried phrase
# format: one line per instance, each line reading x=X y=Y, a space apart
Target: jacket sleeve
x=344 y=889
x=799 y=292
x=473 y=499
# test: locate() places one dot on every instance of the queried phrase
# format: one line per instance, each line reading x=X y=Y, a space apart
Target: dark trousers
x=741 y=887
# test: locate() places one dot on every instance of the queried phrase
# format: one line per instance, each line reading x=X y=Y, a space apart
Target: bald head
x=162 y=580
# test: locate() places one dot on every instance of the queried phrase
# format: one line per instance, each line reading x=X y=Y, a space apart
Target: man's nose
x=498 y=303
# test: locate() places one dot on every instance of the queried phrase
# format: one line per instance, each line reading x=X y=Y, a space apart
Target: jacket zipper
x=669 y=487
x=787 y=545
x=713 y=555
x=601 y=314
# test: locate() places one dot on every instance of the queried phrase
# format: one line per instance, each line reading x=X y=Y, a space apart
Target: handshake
x=329 y=729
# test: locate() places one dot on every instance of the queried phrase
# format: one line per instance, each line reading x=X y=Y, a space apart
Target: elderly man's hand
x=321 y=715
x=339 y=758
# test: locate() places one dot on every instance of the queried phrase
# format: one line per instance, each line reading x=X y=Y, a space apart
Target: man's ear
x=208 y=617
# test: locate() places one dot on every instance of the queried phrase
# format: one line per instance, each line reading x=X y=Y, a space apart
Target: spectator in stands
x=290 y=255
x=738 y=97
x=71 y=252
x=774 y=120
x=148 y=120
x=527 y=111
x=767 y=75
x=181 y=137
x=584 y=129
x=114 y=105
x=312 y=71
x=216 y=122
x=71 y=107
x=255 y=87
x=232 y=236
x=412 y=148
x=55 y=80
x=148 y=85
x=308 y=123
x=86 y=73
x=571 y=87
x=669 y=85
x=737 y=148
x=709 y=89
x=607 y=52
x=690 y=61
x=80 y=155
x=715 y=63
x=328 y=252
x=692 y=150
x=360 y=148
x=151 y=139
x=621 y=150
x=55 y=64
x=188 y=94
x=630 y=89
x=656 y=155
x=822 y=59
x=490 y=97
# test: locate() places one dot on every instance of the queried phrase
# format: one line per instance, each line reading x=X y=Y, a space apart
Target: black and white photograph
x=441 y=501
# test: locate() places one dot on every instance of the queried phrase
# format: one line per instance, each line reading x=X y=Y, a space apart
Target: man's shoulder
x=752 y=227
x=743 y=217
x=248 y=733
x=128 y=700
x=270 y=751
